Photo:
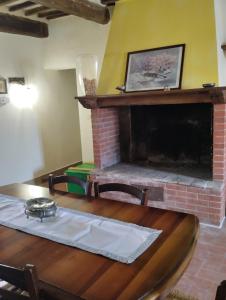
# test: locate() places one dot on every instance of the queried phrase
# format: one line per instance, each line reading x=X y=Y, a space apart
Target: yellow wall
x=146 y=24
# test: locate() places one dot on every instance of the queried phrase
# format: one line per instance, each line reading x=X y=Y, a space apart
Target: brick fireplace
x=175 y=188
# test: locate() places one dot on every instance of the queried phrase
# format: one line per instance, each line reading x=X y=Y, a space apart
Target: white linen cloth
x=117 y=240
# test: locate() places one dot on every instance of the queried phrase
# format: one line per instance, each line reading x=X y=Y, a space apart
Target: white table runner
x=117 y=240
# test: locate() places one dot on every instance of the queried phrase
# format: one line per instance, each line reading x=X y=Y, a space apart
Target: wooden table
x=77 y=274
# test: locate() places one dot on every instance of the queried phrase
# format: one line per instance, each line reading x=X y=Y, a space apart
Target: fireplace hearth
x=173 y=143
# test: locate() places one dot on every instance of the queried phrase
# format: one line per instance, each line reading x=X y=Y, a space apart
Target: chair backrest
x=221 y=291
x=140 y=194
x=24 y=279
x=86 y=186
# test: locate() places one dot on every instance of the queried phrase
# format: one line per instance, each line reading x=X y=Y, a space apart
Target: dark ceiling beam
x=56 y=16
x=81 y=8
x=23 y=26
x=21 y=5
x=108 y=2
x=33 y=11
x=5 y=2
x=48 y=13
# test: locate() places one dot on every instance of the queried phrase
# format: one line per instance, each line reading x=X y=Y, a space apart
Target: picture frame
x=3 y=86
x=155 y=69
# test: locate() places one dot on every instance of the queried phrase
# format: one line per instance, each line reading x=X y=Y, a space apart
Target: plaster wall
x=70 y=37
x=38 y=140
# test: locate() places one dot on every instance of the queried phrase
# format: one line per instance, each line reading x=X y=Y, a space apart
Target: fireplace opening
x=172 y=138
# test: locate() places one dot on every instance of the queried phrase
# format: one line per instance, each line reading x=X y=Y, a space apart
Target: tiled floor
x=208 y=266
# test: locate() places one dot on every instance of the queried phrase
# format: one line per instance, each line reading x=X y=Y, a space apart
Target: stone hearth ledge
x=128 y=172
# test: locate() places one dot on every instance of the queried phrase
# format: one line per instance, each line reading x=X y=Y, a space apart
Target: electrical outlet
x=4 y=100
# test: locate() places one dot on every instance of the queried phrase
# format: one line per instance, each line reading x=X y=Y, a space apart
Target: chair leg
x=50 y=182
x=96 y=190
x=221 y=291
x=89 y=189
x=146 y=192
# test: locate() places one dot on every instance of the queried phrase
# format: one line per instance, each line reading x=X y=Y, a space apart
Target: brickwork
x=208 y=204
x=106 y=146
x=219 y=142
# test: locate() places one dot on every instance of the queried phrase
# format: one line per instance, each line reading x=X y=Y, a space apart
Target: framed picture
x=3 y=86
x=155 y=69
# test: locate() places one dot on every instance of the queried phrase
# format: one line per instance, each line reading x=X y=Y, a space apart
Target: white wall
x=39 y=140
x=220 y=16
x=70 y=37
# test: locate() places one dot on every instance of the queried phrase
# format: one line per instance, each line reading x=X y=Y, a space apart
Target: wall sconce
x=3 y=85
x=4 y=99
x=21 y=95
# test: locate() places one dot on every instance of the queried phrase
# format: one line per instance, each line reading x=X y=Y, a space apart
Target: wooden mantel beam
x=22 y=26
x=214 y=95
x=81 y=8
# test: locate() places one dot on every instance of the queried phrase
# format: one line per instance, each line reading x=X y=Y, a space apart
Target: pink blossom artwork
x=155 y=69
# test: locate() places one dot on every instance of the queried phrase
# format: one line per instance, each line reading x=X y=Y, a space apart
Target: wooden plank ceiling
x=26 y=17
x=45 y=9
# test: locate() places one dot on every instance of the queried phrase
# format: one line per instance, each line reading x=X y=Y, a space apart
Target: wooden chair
x=18 y=284
x=86 y=186
x=119 y=187
x=221 y=291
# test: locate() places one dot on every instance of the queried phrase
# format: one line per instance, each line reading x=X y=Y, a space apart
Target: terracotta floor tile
x=211 y=275
x=208 y=266
x=214 y=262
x=195 y=265
x=201 y=294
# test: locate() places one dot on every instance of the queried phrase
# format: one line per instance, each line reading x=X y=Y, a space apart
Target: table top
x=83 y=275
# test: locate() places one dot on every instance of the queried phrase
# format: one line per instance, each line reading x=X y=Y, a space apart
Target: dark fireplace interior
x=174 y=138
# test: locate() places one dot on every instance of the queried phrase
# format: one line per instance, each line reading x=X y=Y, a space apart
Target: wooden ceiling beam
x=81 y=8
x=23 y=26
x=56 y=16
x=5 y=2
x=21 y=5
x=33 y=11
x=48 y=13
x=108 y=2
x=52 y=14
